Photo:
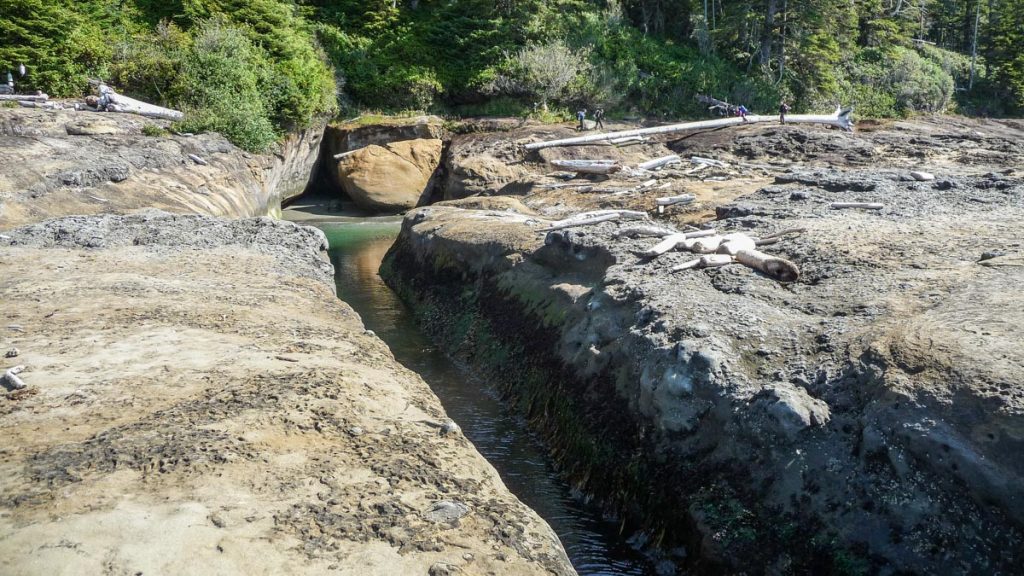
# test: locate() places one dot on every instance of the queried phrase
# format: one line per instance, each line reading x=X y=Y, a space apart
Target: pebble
x=799 y=195
x=355 y=431
x=446 y=511
x=449 y=427
x=991 y=254
x=443 y=569
x=12 y=353
x=922 y=176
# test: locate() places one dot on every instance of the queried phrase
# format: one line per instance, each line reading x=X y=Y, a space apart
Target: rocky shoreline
x=199 y=400
x=865 y=418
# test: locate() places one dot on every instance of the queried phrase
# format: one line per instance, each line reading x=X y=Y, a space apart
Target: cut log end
x=778 y=268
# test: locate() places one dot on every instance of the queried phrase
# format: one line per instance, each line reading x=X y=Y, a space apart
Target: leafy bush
x=222 y=86
x=179 y=53
x=544 y=71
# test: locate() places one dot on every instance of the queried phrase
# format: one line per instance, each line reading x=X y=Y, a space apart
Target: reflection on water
x=593 y=545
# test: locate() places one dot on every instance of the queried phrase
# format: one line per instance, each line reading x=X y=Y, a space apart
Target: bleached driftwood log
x=673 y=241
x=864 y=205
x=733 y=243
x=111 y=101
x=588 y=166
x=840 y=119
x=10 y=378
x=659 y=162
x=708 y=161
x=778 y=236
x=595 y=217
x=778 y=268
x=39 y=104
x=24 y=97
x=670 y=200
x=709 y=261
x=627 y=140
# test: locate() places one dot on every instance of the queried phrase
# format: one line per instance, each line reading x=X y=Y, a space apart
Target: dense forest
x=255 y=68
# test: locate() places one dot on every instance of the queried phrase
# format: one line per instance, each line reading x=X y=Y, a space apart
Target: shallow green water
x=593 y=544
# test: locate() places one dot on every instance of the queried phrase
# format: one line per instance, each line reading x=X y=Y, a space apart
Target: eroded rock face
x=865 y=416
x=390 y=178
x=340 y=138
x=61 y=162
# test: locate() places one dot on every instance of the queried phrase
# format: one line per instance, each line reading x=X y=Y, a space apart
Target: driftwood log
x=111 y=101
x=778 y=268
x=863 y=205
x=709 y=261
x=733 y=243
x=670 y=200
x=24 y=97
x=673 y=241
x=660 y=162
x=588 y=166
x=595 y=217
x=840 y=119
x=10 y=378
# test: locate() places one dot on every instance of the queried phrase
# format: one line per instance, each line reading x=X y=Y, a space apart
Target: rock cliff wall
x=57 y=163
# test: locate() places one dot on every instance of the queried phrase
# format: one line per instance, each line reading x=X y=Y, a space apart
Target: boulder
x=390 y=178
x=360 y=133
x=482 y=174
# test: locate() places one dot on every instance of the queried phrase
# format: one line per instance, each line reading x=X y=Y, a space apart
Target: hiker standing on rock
x=783 y=108
x=742 y=112
x=581 y=115
x=599 y=118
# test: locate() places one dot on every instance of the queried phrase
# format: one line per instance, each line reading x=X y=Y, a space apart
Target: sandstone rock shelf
x=199 y=401
x=63 y=162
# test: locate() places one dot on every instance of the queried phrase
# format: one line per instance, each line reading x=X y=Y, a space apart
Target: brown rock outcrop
x=61 y=162
x=390 y=178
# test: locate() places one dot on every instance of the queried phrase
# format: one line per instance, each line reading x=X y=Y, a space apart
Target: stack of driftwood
x=714 y=249
x=108 y=100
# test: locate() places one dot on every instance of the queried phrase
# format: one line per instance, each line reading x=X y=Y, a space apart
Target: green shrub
x=222 y=86
x=153 y=130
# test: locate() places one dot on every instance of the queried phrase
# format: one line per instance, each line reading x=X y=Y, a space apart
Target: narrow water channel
x=593 y=544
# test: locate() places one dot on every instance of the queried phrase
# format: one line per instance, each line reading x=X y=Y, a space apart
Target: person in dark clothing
x=599 y=118
x=783 y=108
x=581 y=115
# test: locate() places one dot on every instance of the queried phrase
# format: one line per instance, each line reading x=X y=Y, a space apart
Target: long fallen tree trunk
x=111 y=101
x=840 y=119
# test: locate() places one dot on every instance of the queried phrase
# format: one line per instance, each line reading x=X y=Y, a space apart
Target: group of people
x=581 y=116
x=741 y=111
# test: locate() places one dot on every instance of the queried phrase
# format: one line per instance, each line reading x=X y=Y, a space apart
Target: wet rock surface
x=197 y=399
x=62 y=162
x=865 y=417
